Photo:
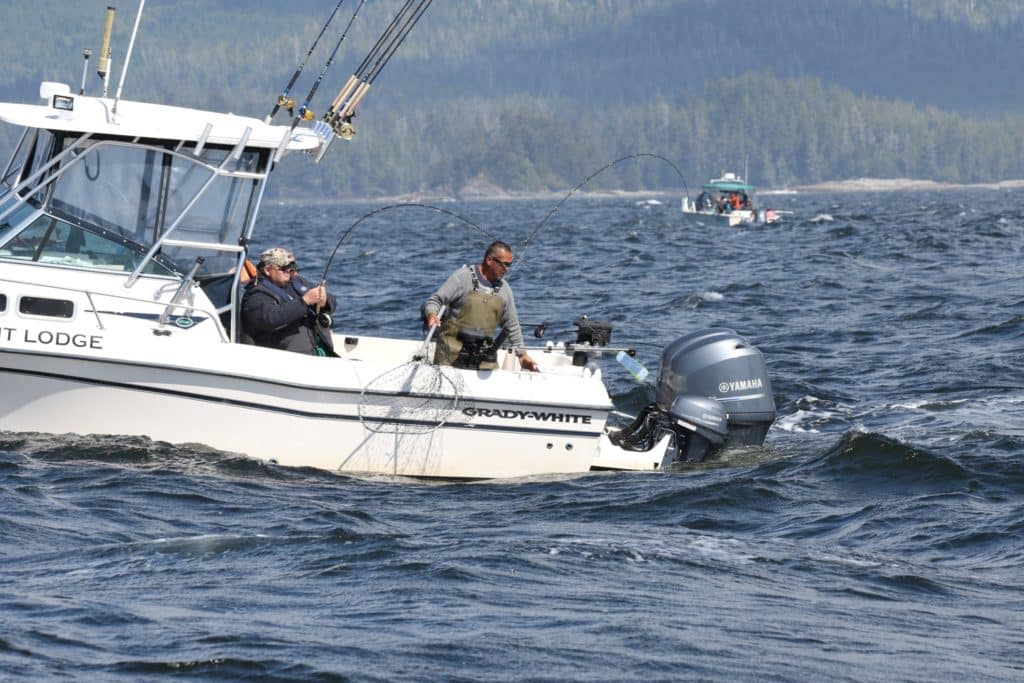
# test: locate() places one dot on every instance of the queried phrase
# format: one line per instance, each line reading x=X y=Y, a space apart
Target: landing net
x=413 y=398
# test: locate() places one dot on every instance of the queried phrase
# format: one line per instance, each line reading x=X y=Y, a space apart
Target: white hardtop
x=96 y=115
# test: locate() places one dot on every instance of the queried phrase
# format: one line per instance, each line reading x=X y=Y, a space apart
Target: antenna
x=128 y=56
x=104 y=64
x=86 y=53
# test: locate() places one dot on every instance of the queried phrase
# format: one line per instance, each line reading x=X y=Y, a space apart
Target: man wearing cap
x=280 y=311
x=477 y=296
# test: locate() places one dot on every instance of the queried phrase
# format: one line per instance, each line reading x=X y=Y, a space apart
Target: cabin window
x=52 y=308
x=220 y=215
x=16 y=215
x=118 y=187
x=33 y=151
x=3 y=303
x=50 y=240
x=113 y=187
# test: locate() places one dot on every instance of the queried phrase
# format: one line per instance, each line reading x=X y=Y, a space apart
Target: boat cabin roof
x=95 y=115
x=729 y=182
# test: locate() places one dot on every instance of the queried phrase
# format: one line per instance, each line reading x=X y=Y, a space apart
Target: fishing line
x=283 y=99
x=399 y=205
x=590 y=177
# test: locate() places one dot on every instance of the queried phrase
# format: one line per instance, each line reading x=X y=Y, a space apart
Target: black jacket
x=278 y=318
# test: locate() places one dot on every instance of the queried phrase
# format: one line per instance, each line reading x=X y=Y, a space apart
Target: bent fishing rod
x=390 y=207
x=590 y=177
x=283 y=100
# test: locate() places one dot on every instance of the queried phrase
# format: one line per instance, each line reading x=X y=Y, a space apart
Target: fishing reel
x=479 y=351
x=323 y=318
x=593 y=332
x=286 y=103
x=345 y=130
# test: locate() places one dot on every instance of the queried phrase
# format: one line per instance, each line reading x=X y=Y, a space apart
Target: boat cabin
x=726 y=194
x=137 y=189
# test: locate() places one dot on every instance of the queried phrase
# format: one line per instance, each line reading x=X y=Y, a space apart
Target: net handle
x=430 y=335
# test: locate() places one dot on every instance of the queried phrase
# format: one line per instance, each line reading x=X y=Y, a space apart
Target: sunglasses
x=505 y=264
x=289 y=268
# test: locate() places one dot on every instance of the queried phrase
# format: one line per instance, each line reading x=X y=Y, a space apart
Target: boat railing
x=35 y=177
x=188 y=309
x=220 y=171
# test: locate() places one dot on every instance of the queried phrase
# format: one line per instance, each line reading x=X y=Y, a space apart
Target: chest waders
x=481 y=308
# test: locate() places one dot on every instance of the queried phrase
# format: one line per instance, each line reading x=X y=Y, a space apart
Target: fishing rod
x=379 y=43
x=331 y=116
x=283 y=100
x=390 y=207
x=305 y=114
x=396 y=42
x=590 y=177
x=342 y=109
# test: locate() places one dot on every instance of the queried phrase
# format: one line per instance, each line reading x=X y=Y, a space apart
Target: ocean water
x=877 y=535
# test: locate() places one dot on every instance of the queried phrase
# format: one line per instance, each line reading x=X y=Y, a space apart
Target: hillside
x=531 y=94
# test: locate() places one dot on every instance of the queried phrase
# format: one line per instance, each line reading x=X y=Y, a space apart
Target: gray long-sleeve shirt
x=459 y=284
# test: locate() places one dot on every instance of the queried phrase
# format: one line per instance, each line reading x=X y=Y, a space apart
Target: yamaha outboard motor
x=720 y=365
x=713 y=392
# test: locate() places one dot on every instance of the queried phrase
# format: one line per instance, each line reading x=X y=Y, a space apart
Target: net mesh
x=413 y=398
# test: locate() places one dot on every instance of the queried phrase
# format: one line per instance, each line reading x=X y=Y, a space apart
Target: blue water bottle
x=634 y=367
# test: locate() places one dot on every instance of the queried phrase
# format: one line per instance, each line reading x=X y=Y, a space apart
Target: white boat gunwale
x=311 y=414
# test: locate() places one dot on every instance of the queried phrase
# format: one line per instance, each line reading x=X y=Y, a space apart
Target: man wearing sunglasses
x=280 y=311
x=477 y=296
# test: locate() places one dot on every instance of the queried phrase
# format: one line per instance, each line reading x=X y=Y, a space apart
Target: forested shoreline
x=535 y=95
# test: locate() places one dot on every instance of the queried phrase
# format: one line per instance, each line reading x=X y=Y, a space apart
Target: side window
x=51 y=308
x=3 y=303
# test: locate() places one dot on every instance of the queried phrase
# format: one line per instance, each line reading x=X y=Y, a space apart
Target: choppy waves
x=875 y=535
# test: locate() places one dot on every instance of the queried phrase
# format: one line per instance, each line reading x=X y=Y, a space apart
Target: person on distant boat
x=734 y=201
x=705 y=202
x=280 y=311
x=477 y=297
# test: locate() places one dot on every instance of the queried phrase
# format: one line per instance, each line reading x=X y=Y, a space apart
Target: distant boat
x=728 y=200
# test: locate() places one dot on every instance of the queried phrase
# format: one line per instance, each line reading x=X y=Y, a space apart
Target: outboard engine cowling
x=713 y=392
x=703 y=423
x=718 y=364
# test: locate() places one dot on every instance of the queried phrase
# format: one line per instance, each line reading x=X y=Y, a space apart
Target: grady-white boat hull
x=302 y=410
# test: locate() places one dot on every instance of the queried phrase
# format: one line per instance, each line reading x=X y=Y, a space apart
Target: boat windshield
x=50 y=240
x=18 y=213
x=139 y=192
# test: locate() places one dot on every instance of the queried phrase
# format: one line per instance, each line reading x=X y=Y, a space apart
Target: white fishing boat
x=730 y=201
x=123 y=235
